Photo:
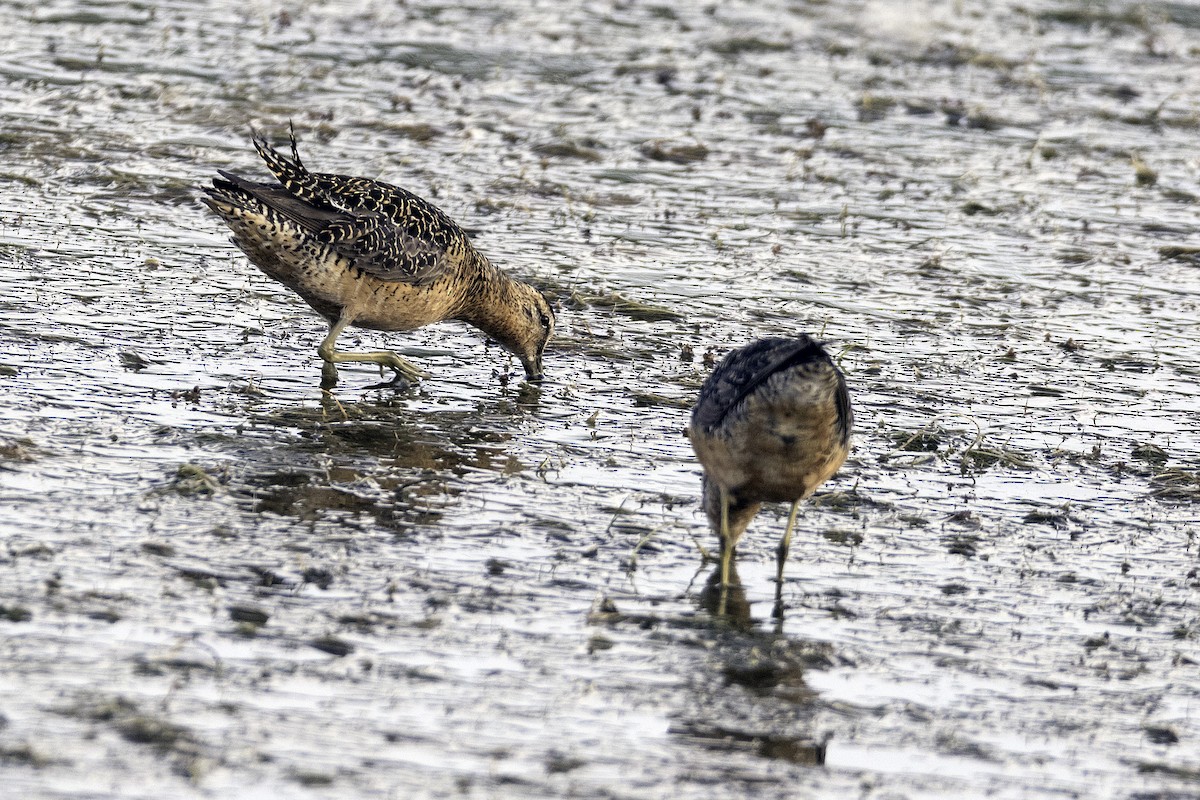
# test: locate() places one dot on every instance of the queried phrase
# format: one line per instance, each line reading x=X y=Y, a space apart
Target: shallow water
x=215 y=581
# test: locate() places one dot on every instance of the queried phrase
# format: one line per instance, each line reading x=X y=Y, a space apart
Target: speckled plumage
x=365 y=253
x=772 y=423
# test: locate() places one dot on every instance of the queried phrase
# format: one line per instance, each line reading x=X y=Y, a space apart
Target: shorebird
x=363 y=252
x=772 y=423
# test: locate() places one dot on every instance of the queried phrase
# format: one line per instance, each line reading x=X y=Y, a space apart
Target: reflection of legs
x=384 y=358
x=726 y=602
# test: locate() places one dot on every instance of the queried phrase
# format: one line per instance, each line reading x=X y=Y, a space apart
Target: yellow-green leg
x=384 y=358
x=785 y=545
x=781 y=555
x=726 y=541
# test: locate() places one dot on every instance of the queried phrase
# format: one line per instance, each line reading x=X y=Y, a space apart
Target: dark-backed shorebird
x=771 y=425
x=366 y=253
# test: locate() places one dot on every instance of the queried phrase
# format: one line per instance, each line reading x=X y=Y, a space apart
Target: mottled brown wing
x=377 y=245
x=384 y=230
x=745 y=369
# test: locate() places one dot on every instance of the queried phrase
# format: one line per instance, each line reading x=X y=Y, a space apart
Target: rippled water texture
x=216 y=582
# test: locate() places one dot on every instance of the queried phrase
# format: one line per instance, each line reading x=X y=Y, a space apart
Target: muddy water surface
x=216 y=581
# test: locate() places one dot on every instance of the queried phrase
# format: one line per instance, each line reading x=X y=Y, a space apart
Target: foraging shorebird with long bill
x=365 y=253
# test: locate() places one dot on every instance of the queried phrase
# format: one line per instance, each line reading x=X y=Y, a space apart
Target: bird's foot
x=405 y=373
x=405 y=370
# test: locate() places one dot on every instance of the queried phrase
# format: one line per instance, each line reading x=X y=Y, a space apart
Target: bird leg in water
x=781 y=554
x=785 y=544
x=384 y=358
x=726 y=542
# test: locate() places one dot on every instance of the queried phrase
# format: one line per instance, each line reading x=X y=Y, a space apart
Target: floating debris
x=332 y=645
x=633 y=309
x=193 y=479
x=251 y=615
x=651 y=399
x=133 y=360
x=674 y=153
x=1181 y=252
x=1143 y=174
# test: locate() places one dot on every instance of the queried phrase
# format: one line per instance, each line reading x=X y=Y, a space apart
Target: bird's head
x=531 y=330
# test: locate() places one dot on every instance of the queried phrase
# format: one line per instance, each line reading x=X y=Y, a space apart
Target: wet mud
x=217 y=580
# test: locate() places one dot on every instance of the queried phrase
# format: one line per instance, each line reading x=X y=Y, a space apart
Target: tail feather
x=231 y=194
x=290 y=172
x=223 y=198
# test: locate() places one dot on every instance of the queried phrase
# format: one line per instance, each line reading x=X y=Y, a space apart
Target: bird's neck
x=489 y=301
